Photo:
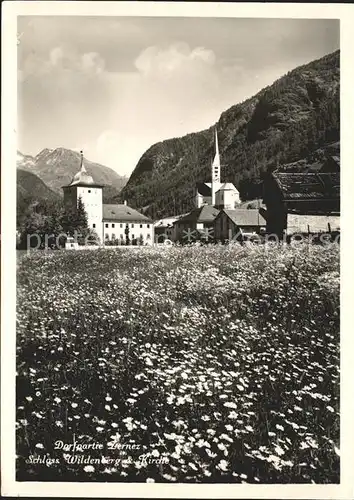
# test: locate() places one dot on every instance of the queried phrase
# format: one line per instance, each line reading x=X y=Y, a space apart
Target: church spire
x=215 y=170
x=216 y=143
x=82 y=166
x=215 y=175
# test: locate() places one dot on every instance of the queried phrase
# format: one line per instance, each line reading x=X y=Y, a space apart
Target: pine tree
x=74 y=220
x=81 y=215
x=43 y=219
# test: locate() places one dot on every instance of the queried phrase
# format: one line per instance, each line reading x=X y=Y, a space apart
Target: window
x=106 y=225
x=94 y=225
x=89 y=190
x=133 y=236
x=106 y=236
x=141 y=225
x=132 y=225
x=112 y=225
x=148 y=236
x=148 y=225
x=141 y=236
x=120 y=225
x=113 y=236
x=121 y=236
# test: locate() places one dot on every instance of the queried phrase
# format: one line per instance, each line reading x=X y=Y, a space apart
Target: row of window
x=121 y=225
x=127 y=225
x=122 y=236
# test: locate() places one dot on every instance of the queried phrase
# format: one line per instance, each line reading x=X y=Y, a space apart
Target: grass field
x=211 y=364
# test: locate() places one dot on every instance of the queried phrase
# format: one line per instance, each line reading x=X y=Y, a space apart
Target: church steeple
x=215 y=170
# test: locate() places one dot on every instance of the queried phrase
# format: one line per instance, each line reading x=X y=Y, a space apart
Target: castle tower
x=83 y=186
x=215 y=171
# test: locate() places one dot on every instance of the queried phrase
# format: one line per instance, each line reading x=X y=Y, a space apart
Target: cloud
x=176 y=58
x=115 y=86
x=92 y=62
x=56 y=56
x=174 y=90
x=62 y=58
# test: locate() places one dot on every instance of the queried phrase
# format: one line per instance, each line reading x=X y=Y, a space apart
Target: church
x=114 y=223
x=211 y=198
x=215 y=193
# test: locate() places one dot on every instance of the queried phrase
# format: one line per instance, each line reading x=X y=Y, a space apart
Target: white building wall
x=215 y=186
x=92 y=200
x=116 y=230
x=228 y=199
x=201 y=200
x=198 y=200
x=231 y=199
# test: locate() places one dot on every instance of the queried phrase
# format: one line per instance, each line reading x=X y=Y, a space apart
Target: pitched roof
x=204 y=188
x=167 y=221
x=123 y=213
x=245 y=217
x=227 y=186
x=206 y=213
x=298 y=186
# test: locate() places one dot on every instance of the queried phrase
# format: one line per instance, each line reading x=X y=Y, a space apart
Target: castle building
x=215 y=193
x=117 y=222
x=83 y=186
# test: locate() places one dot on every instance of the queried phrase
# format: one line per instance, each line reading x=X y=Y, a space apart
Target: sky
x=114 y=86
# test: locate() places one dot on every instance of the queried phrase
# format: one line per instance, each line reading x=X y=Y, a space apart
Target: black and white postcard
x=175 y=320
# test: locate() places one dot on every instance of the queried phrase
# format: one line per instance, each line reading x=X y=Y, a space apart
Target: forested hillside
x=282 y=124
x=31 y=189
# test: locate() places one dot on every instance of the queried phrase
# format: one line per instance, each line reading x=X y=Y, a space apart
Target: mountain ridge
x=30 y=190
x=281 y=124
x=56 y=168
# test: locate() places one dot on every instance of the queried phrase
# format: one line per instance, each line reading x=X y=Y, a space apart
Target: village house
x=112 y=223
x=165 y=230
x=197 y=224
x=232 y=224
x=301 y=193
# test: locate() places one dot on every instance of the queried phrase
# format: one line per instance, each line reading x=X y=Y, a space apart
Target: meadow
x=193 y=364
